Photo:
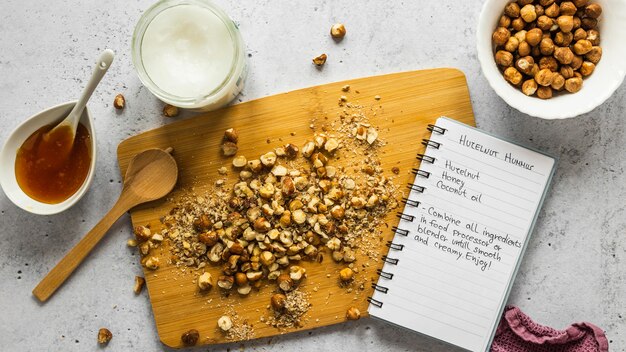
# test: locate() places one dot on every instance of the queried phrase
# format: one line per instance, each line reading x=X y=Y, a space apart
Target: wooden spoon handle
x=57 y=276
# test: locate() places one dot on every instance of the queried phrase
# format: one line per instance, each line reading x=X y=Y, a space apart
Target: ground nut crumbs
x=293 y=314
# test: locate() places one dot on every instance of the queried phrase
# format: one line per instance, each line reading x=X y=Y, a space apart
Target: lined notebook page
x=466 y=238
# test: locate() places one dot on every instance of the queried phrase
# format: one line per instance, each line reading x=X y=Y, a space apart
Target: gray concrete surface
x=574 y=270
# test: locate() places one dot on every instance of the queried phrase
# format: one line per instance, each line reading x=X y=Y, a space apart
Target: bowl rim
x=10 y=186
x=486 y=61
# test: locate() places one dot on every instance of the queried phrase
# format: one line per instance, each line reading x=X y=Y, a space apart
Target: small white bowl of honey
x=36 y=182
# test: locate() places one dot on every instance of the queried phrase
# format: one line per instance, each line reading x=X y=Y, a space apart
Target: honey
x=47 y=169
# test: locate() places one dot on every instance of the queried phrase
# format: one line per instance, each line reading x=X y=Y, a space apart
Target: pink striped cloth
x=518 y=333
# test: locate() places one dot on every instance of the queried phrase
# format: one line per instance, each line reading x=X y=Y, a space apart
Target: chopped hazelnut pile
x=547 y=46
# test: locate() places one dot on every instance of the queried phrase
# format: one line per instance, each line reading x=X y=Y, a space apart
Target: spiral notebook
x=465 y=225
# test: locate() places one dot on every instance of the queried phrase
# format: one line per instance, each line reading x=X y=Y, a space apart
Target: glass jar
x=178 y=26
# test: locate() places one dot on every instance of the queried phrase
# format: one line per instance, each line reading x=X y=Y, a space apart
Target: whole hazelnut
x=505 y=21
x=546 y=2
x=587 y=68
x=353 y=313
x=594 y=55
x=548 y=62
x=533 y=36
x=278 y=301
x=544 y=23
x=190 y=338
x=346 y=274
x=170 y=110
x=558 y=82
x=567 y=8
x=573 y=84
x=104 y=336
x=593 y=10
x=582 y=47
x=546 y=46
x=320 y=60
x=577 y=61
x=567 y=71
x=577 y=22
x=580 y=34
x=513 y=76
x=511 y=45
x=518 y=24
x=523 y=49
x=580 y=3
x=524 y=2
x=544 y=77
x=564 y=55
x=501 y=36
x=119 y=102
x=520 y=35
x=552 y=11
x=534 y=71
x=512 y=10
x=540 y=10
x=525 y=64
x=544 y=92
x=535 y=51
x=528 y=13
x=589 y=23
x=566 y=23
x=338 y=31
x=529 y=87
x=593 y=36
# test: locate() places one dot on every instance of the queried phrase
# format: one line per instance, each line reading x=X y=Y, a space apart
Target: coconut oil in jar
x=190 y=54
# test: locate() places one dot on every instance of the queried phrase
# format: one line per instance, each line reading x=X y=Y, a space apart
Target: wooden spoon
x=151 y=175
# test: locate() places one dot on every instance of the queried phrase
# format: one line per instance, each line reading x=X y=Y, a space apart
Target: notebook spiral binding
x=413 y=203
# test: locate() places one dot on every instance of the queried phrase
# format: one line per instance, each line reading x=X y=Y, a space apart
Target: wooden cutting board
x=408 y=102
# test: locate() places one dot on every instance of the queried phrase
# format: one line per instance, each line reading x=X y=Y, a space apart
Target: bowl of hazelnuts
x=553 y=59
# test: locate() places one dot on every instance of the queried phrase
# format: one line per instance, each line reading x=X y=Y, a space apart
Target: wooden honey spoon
x=151 y=175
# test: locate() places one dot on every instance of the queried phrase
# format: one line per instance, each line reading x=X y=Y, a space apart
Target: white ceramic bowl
x=597 y=88
x=16 y=138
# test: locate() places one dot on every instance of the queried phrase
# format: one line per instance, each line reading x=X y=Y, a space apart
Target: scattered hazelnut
x=229 y=148
x=139 y=284
x=104 y=336
x=209 y=238
x=353 y=313
x=119 y=101
x=278 y=301
x=240 y=161
x=346 y=274
x=338 y=31
x=296 y=273
x=152 y=263
x=231 y=135
x=205 y=281
x=190 y=338
x=170 y=110
x=142 y=233
x=320 y=60
x=225 y=323
x=225 y=282
x=285 y=282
